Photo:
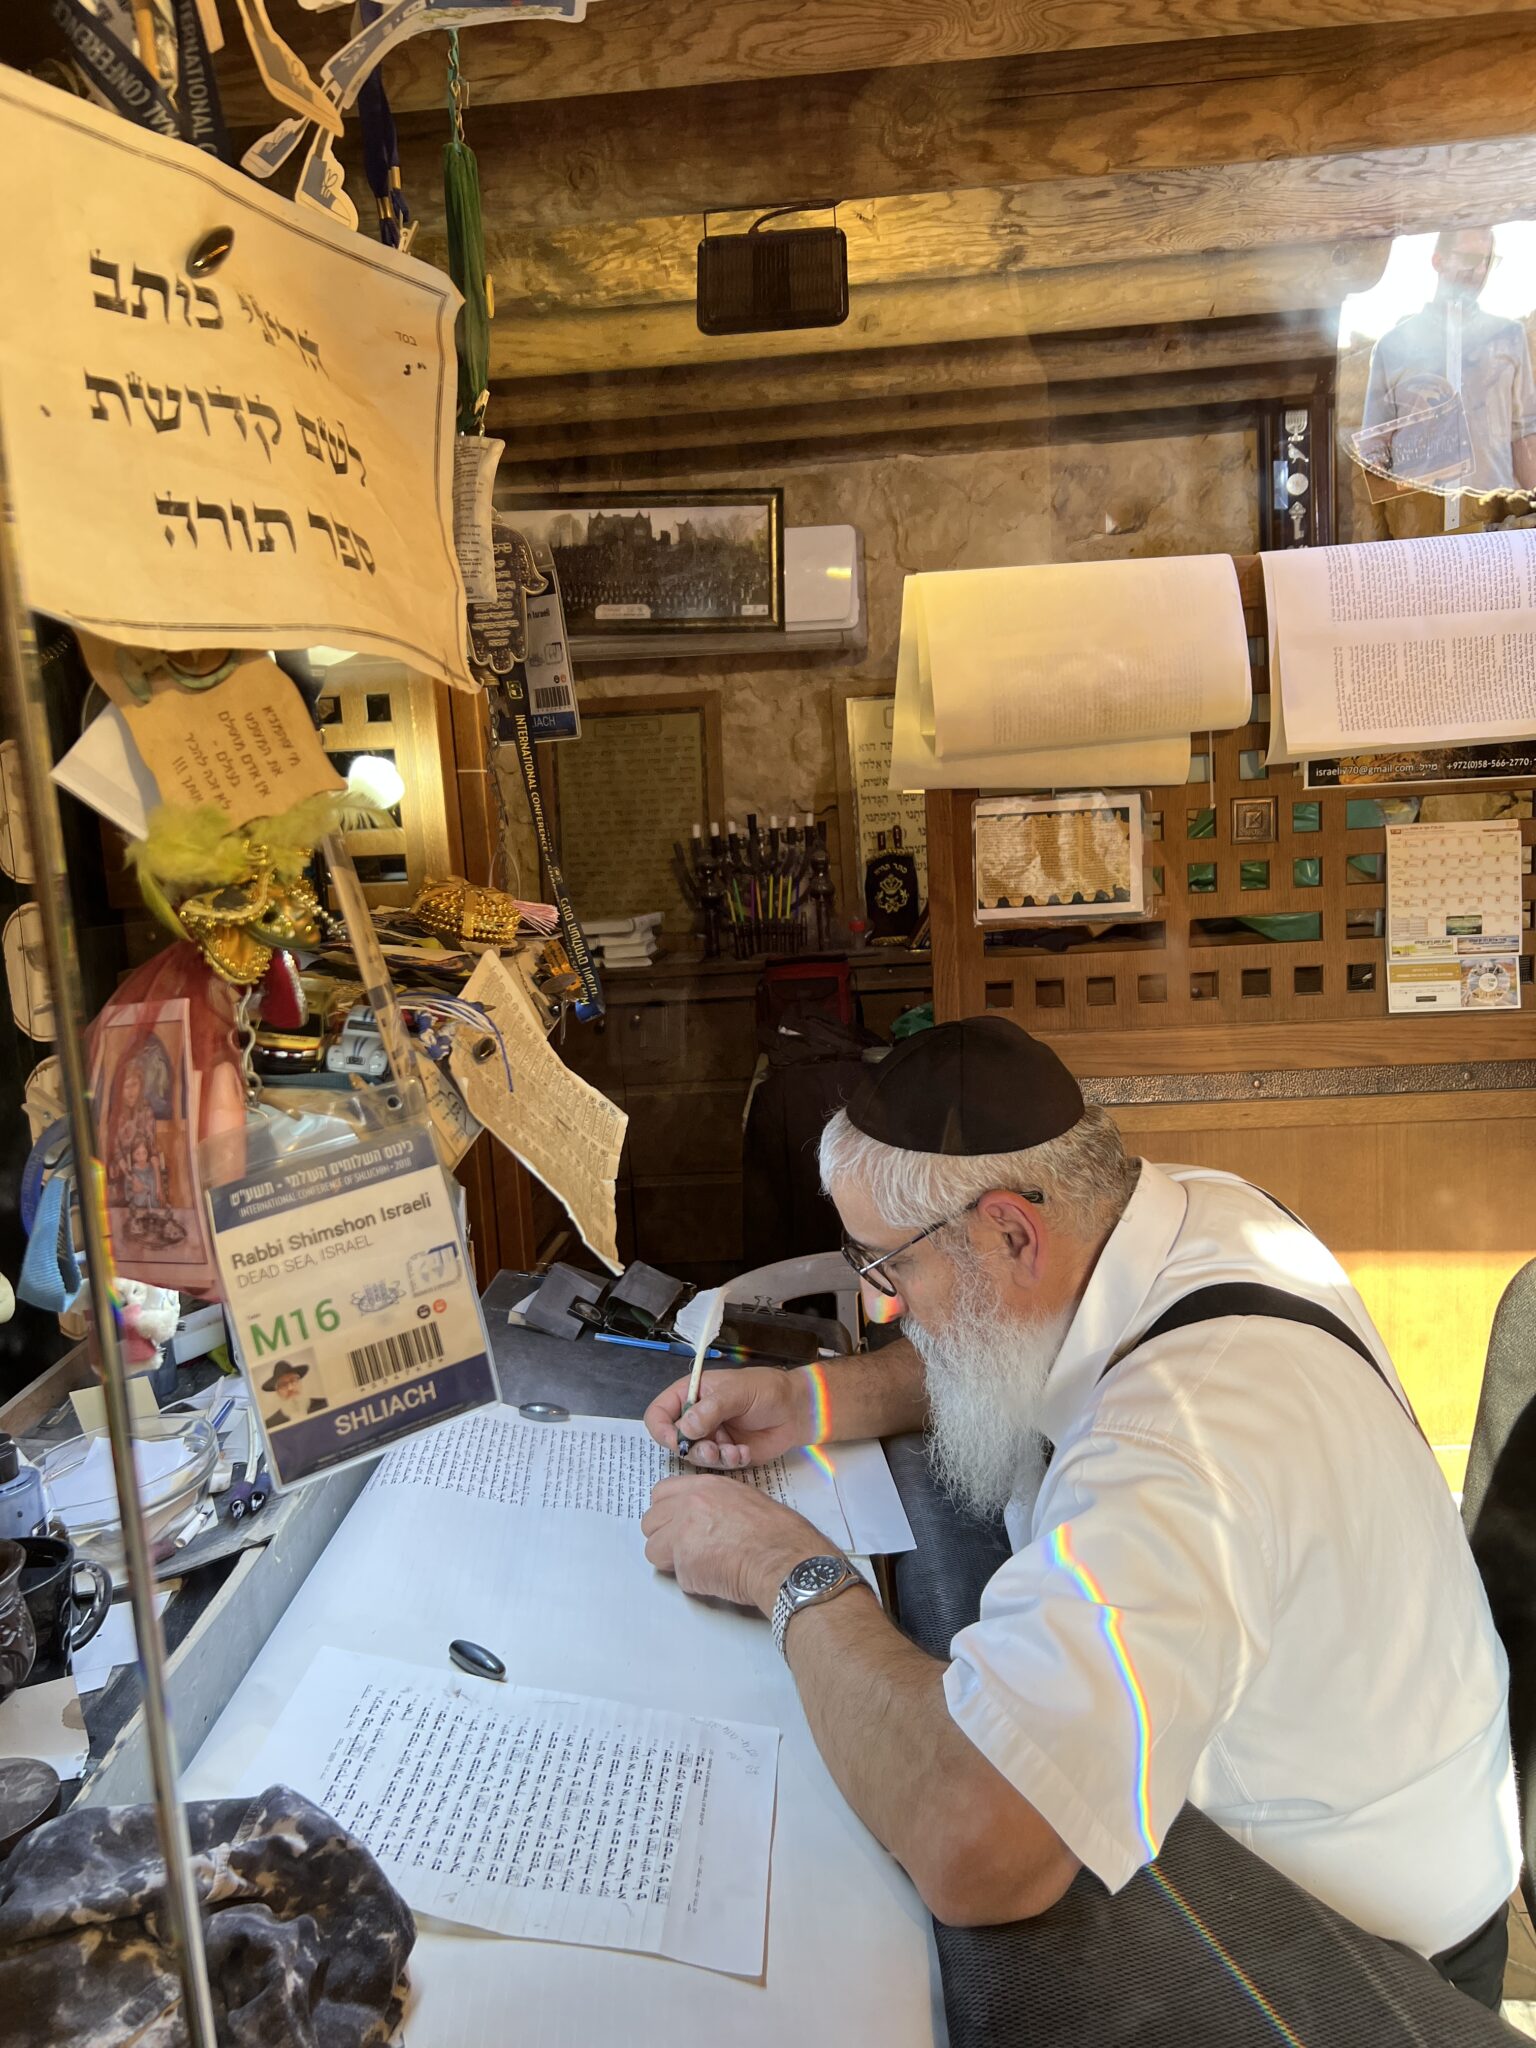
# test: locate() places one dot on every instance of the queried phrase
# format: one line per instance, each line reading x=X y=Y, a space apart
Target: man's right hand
x=748 y=1416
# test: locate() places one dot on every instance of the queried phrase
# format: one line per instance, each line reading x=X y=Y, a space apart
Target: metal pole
x=21 y=691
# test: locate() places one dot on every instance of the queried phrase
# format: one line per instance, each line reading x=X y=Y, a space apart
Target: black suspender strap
x=1252 y=1298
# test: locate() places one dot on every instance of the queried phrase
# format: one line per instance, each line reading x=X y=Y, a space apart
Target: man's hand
x=726 y=1541
x=746 y=1417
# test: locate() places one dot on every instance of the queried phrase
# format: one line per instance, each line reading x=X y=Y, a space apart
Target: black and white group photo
x=630 y=566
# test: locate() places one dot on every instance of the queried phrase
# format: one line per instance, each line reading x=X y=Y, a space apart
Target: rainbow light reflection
x=1233 y=1968
x=821 y=1416
x=878 y=1307
x=97 y=1182
x=1087 y=1585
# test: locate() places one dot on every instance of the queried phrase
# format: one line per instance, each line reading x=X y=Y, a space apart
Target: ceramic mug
x=60 y=1621
x=18 y=1642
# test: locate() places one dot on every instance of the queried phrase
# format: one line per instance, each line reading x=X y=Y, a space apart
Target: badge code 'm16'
x=293 y=1326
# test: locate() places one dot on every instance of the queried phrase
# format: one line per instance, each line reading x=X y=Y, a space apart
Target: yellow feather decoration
x=192 y=854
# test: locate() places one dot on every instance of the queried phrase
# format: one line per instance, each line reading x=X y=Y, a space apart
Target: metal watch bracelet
x=812 y=1581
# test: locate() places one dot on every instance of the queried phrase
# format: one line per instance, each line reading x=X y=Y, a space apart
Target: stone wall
x=1091 y=498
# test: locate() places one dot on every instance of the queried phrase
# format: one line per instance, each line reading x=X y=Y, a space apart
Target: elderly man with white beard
x=1238 y=1577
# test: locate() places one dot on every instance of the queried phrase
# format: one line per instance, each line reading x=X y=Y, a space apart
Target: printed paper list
x=543 y=1817
x=1402 y=643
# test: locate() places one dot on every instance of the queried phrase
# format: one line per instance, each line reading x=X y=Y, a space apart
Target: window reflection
x=1437 y=372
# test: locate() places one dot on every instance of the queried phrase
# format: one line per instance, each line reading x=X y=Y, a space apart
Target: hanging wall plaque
x=259 y=455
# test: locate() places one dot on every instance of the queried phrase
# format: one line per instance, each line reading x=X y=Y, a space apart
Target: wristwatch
x=813 y=1580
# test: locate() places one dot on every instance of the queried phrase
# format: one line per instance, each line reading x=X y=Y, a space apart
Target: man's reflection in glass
x=1414 y=429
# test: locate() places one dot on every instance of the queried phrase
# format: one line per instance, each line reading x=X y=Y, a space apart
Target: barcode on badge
x=394 y=1355
x=551 y=697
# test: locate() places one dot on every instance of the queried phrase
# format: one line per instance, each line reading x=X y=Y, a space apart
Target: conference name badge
x=351 y=1300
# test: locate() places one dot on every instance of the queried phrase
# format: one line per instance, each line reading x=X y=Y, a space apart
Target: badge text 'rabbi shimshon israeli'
x=352 y=1301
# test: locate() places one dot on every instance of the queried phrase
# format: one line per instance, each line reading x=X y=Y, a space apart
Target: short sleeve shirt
x=1415 y=365
x=1244 y=1583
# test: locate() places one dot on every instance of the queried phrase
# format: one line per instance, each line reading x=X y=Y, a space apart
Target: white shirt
x=1246 y=1585
x=1427 y=356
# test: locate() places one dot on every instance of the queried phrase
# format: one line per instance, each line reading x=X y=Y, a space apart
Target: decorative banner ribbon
x=571 y=932
x=114 y=72
x=381 y=148
x=201 y=109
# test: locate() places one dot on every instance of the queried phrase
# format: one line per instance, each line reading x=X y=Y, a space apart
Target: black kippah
x=981 y=1085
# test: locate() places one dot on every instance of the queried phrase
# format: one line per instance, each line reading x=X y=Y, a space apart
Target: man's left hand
x=725 y=1540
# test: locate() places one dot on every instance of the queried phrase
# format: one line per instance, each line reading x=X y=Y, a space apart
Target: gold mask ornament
x=240 y=896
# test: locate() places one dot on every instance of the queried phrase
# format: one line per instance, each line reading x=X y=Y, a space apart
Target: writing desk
x=849 y=1947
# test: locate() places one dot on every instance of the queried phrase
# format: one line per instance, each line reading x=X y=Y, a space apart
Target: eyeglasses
x=870 y=1269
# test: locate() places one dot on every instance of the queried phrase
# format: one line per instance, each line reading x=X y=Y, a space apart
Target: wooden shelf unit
x=1135 y=995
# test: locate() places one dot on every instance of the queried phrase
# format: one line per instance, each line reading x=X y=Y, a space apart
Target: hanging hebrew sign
x=256 y=455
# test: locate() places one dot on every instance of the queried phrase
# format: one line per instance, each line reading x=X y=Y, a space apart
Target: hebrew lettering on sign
x=296 y=406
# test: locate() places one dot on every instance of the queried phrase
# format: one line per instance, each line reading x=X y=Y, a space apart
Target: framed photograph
x=701 y=561
x=1049 y=859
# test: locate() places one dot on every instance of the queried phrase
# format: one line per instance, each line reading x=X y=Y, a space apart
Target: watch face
x=816 y=1574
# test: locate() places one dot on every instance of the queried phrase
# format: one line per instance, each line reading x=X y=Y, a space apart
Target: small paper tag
x=322 y=183
x=475 y=457
x=549 y=684
x=105 y=770
x=246 y=745
x=281 y=72
x=454 y=1126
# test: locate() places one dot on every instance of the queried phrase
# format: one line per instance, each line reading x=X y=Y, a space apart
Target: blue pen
x=651 y=1344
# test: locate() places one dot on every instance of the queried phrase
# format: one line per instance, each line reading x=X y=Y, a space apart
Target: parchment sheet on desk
x=593 y=1465
x=1066 y=675
x=541 y=1816
x=562 y=1129
x=1401 y=643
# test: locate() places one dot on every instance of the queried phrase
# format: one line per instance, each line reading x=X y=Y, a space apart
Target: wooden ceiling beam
x=999 y=122
x=526 y=468
x=918 y=414
x=741 y=389
x=1248 y=283
x=1052 y=226
x=645 y=45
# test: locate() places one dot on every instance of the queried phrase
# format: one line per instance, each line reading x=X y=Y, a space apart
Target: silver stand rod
x=21 y=691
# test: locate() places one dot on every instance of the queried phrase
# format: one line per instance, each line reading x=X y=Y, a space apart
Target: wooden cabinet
x=677 y=1051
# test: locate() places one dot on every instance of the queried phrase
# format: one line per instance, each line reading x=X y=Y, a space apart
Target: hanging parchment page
x=258 y=457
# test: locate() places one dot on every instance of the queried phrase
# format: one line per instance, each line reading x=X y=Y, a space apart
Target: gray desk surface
x=581 y=1374
x=850 y=1953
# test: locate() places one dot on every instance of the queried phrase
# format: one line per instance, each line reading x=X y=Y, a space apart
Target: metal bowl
x=175 y=1456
